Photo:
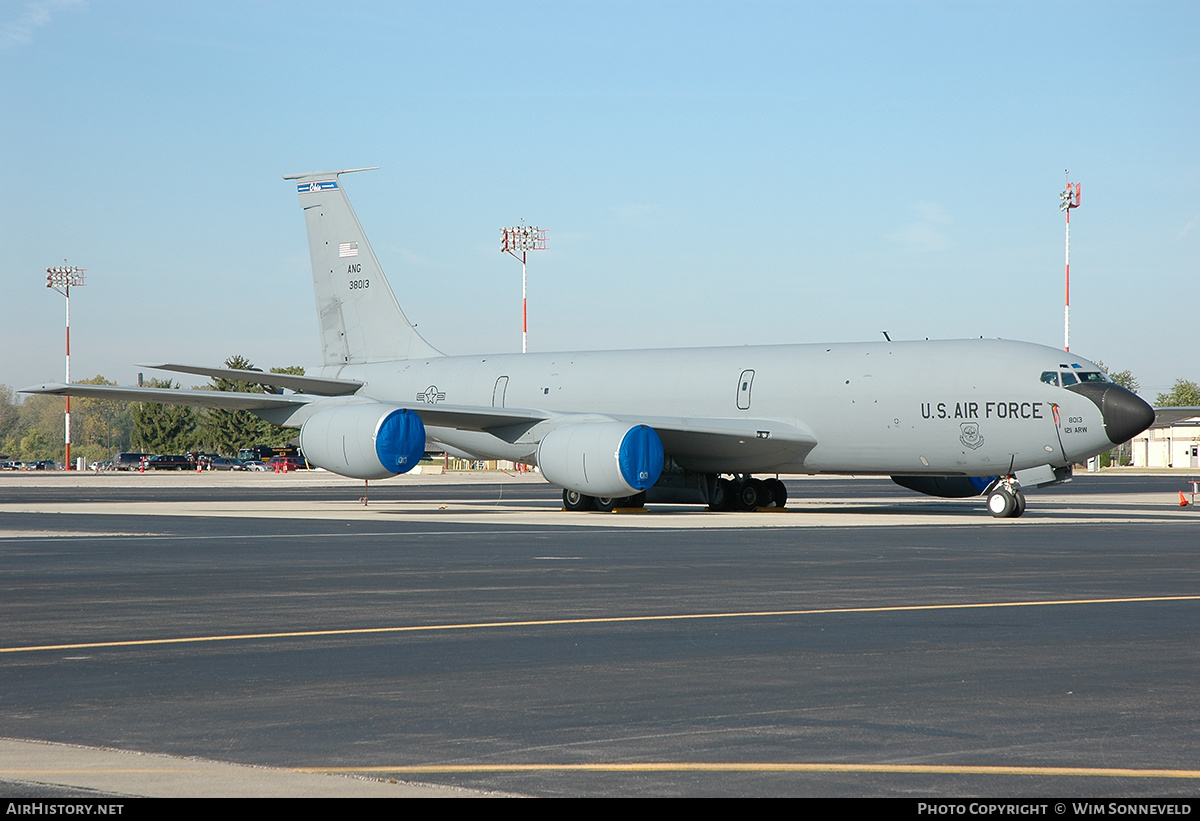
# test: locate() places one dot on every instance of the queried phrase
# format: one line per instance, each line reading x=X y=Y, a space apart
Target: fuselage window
x=1092 y=376
x=1068 y=379
x=1050 y=378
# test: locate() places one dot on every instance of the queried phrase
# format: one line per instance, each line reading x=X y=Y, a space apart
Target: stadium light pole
x=523 y=238
x=1068 y=200
x=61 y=278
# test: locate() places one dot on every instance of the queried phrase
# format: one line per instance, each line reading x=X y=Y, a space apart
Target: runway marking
x=122 y=770
x=650 y=767
x=760 y=767
x=422 y=628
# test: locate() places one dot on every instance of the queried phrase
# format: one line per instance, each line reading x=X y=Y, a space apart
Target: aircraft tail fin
x=360 y=319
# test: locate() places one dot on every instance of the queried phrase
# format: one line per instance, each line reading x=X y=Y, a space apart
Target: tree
x=1123 y=453
x=36 y=446
x=227 y=431
x=163 y=428
x=1125 y=378
x=1184 y=394
x=33 y=429
x=100 y=427
x=39 y=428
x=9 y=413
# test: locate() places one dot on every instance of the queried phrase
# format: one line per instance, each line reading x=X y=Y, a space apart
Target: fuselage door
x=745 y=382
x=498 y=392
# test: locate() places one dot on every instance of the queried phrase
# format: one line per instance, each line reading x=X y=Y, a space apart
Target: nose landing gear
x=1006 y=500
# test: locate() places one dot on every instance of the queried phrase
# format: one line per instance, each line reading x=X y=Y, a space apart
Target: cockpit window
x=1050 y=378
x=1068 y=379
x=1092 y=376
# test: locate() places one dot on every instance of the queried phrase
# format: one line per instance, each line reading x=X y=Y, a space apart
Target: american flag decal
x=347 y=249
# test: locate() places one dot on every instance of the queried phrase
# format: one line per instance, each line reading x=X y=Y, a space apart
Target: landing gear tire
x=604 y=504
x=778 y=491
x=1002 y=503
x=574 y=500
x=752 y=495
x=635 y=501
x=1020 y=500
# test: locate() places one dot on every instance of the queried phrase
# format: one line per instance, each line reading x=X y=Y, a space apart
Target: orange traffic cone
x=1183 y=502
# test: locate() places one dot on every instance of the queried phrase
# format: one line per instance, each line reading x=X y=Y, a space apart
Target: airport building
x=1175 y=445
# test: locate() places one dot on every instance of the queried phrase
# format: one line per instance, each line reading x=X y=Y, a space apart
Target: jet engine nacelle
x=602 y=458
x=368 y=441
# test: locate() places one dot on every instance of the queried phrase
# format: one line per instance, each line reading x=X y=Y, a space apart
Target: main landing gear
x=1006 y=500
x=574 y=500
x=747 y=493
x=737 y=493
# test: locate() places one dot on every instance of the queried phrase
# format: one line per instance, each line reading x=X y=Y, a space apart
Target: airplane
x=948 y=418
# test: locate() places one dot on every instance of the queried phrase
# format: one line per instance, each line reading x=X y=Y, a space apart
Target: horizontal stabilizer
x=1169 y=416
x=320 y=385
x=229 y=400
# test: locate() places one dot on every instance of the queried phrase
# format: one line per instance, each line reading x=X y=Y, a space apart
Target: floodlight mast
x=523 y=238
x=1068 y=200
x=60 y=278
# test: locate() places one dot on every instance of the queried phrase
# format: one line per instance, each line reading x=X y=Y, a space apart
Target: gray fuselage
x=973 y=407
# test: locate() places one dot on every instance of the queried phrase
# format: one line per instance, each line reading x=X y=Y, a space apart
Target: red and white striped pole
x=61 y=278
x=1068 y=200
x=68 y=419
x=524 y=308
x=523 y=238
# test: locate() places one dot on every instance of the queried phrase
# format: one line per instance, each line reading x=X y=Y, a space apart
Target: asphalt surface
x=574 y=654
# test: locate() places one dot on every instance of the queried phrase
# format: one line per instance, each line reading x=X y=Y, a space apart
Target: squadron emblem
x=970 y=435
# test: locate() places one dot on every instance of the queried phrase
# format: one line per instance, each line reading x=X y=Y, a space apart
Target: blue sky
x=709 y=173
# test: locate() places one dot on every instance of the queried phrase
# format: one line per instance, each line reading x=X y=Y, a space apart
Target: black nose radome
x=1125 y=414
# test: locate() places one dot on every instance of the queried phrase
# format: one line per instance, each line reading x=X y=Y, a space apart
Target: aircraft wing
x=309 y=384
x=1164 y=417
x=230 y=400
x=470 y=417
x=715 y=444
x=698 y=443
x=679 y=433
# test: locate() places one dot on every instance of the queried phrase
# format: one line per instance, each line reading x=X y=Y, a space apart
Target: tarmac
x=30 y=767
x=239 y=635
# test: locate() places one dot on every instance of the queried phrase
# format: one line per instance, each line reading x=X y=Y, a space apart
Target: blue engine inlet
x=400 y=441
x=640 y=457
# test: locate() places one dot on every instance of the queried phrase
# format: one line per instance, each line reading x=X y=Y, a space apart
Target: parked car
x=129 y=461
x=171 y=462
x=224 y=463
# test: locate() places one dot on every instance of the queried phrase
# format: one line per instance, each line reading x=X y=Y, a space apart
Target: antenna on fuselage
x=885 y=336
